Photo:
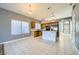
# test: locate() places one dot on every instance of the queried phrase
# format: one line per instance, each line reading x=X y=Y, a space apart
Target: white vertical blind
x=25 y=27
x=37 y=26
x=15 y=27
x=19 y=27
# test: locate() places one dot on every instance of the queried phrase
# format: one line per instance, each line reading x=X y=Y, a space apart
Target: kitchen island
x=49 y=35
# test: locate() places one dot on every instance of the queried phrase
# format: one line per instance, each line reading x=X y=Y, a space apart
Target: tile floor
x=36 y=46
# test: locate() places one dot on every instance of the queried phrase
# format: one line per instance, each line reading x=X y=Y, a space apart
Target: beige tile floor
x=36 y=46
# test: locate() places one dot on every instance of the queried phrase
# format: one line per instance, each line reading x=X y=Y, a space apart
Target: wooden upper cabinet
x=43 y=26
x=32 y=24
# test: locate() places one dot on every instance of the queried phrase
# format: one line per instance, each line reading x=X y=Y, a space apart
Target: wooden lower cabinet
x=37 y=33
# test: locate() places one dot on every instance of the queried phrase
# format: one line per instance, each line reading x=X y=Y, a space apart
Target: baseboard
x=14 y=40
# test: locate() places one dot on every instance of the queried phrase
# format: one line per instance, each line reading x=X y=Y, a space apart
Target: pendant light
x=30 y=11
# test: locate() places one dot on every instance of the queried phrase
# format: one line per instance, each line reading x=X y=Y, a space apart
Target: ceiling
x=40 y=10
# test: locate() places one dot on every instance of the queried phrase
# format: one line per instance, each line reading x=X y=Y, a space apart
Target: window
x=25 y=27
x=66 y=26
x=19 y=27
x=37 y=26
x=15 y=27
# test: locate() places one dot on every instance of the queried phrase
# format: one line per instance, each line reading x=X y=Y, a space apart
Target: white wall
x=65 y=12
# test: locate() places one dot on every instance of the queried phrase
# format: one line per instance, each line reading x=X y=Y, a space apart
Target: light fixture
x=51 y=16
x=30 y=11
x=50 y=10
